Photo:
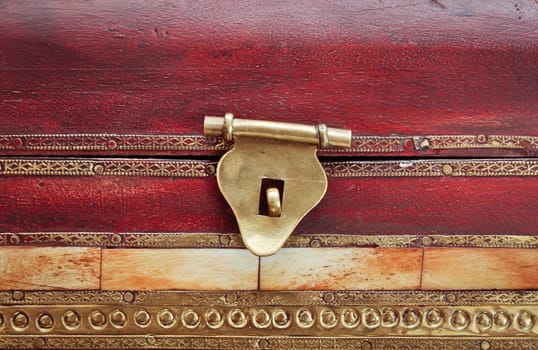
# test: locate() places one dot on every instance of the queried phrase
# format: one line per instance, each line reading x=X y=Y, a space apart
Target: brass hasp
x=272 y=177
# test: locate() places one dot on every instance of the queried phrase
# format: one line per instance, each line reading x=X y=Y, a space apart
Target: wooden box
x=113 y=231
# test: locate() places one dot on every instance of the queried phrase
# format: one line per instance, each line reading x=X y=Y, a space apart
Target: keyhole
x=271 y=197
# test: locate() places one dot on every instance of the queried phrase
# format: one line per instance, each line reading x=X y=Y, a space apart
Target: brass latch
x=271 y=178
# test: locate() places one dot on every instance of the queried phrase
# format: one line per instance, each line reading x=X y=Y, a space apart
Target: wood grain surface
x=366 y=205
x=378 y=68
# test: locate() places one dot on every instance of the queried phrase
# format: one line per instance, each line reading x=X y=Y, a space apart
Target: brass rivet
x=366 y=345
x=45 y=322
x=485 y=345
x=17 y=142
x=190 y=319
x=350 y=318
x=111 y=144
x=98 y=169
x=371 y=318
x=411 y=318
x=483 y=320
x=210 y=169
x=118 y=319
x=525 y=320
x=408 y=144
x=142 y=318
x=327 y=319
x=315 y=243
x=115 y=239
x=18 y=295
x=501 y=320
x=39 y=343
x=231 y=297
x=481 y=139
x=213 y=319
x=166 y=318
x=20 y=321
x=98 y=319
x=389 y=317
x=237 y=318
x=451 y=297
x=261 y=319
x=71 y=319
x=14 y=239
x=459 y=319
x=128 y=297
x=304 y=318
x=447 y=169
x=329 y=297
x=424 y=144
x=151 y=340
x=263 y=344
x=224 y=240
x=433 y=318
x=281 y=319
x=427 y=241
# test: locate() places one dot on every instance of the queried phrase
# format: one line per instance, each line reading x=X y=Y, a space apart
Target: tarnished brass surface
x=277 y=320
x=359 y=144
x=275 y=152
x=233 y=240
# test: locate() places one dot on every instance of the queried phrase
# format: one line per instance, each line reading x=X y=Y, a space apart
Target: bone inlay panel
x=49 y=268
x=480 y=268
x=342 y=269
x=185 y=269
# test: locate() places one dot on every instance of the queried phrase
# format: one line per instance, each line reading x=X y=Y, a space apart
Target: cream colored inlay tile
x=29 y=268
x=480 y=268
x=183 y=269
x=342 y=268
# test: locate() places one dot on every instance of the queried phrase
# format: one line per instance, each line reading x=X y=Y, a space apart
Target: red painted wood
x=379 y=68
x=375 y=205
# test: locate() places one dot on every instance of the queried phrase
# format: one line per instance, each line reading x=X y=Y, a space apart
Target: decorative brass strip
x=475 y=141
x=182 y=168
x=111 y=142
x=88 y=167
x=269 y=342
x=523 y=298
x=433 y=168
x=307 y=316
x=233 y=240
x=360 y=144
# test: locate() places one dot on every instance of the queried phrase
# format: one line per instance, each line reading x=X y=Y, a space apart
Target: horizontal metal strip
x=300 y=320
x=360 y=144
x=261 y=342
x=233 y=240
x=271 y=298
x=184 y=168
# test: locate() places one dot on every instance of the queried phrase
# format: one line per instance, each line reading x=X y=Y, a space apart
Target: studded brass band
x=359 y=144
x=77 y=319
x=187 y=168
x=233 y=240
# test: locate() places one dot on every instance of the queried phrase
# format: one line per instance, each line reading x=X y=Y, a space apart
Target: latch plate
x=277 y=153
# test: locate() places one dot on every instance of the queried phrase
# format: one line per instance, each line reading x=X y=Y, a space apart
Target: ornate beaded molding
x=360 y=144
x=277 y=320
x=180 y=168
x=233 y=240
